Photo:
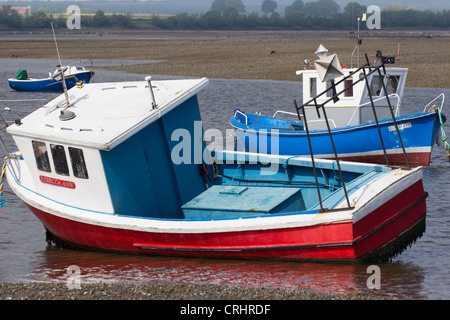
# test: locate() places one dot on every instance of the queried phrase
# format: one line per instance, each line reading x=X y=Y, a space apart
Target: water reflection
x=400 y=280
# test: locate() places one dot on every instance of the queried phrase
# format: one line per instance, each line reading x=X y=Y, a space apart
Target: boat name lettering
x=401 y=126
x=57 y=182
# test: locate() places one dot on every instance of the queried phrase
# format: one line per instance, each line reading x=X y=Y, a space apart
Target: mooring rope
x=2 y=177
x=444 y=136
x=2 y=181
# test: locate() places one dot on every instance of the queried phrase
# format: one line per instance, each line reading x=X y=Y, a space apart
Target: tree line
x=10 y=19
x=231 y=14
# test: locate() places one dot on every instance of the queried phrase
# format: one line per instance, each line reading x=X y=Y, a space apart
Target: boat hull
x=386 y=231
x=357 y=143
x=49 y=84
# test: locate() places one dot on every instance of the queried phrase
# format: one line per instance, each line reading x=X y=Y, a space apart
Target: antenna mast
x=60 y=69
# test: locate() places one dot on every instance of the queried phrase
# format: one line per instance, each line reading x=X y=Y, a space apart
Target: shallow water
x=420 y=272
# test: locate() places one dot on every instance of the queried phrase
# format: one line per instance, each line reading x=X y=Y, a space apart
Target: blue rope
x=444 y=137
x=285 y=164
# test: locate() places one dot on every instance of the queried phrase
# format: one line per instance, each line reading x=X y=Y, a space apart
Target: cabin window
x=59 y=159
x=78 y=163
x=377 y=85
x=348 y=87
x=312 y=87
x=392 y=84
x=41 y=156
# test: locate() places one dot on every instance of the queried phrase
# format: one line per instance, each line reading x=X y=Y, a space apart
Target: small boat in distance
x=366 y=126
x=124 y=167
x=73 y=74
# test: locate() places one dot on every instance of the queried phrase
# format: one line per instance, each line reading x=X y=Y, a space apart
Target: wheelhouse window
x=78 y=163
x=312 y=87
x=41 y=156
x=348 y=86
x=392 y=84
x=60 y=163
x=59 y=159
x=377 y=85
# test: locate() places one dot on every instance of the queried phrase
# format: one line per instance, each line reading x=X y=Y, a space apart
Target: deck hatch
x=230 y=201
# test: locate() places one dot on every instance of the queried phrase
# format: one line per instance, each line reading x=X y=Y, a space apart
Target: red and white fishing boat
x=123 y=167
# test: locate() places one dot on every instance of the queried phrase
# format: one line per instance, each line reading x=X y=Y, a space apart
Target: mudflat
x=275 y=56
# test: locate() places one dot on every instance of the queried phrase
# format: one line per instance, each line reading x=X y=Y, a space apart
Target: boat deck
x=232 y=202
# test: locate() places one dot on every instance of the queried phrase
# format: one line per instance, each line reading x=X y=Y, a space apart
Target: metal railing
x=397 y=107
x=442 y=102
x=243 y=114
x=367 y=70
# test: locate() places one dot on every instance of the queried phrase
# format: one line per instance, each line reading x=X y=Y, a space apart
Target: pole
x=305 y=123
x=63 y=80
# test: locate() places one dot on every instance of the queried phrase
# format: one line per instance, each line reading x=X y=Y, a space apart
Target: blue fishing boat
x=72 y=75
x=360 y=143
x=360 y=106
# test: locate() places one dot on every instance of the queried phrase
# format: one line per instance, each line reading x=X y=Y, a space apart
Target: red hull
x=349 y=241
x=415 y=159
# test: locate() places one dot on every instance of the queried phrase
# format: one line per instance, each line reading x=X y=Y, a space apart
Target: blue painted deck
x=231 y=202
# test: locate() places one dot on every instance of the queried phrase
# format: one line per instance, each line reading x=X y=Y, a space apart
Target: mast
x=61 y=70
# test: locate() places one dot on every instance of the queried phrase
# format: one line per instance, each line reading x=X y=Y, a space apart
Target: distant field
x=274 y=57
x=150 y=15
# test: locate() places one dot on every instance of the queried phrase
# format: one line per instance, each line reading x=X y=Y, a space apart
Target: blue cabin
x=117 y=156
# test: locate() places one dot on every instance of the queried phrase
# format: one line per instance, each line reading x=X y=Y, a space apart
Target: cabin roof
x=346 y=71
x=105 y=113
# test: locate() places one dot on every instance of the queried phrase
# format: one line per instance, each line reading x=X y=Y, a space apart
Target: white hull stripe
x=366 y=200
